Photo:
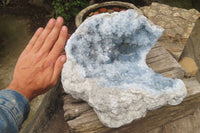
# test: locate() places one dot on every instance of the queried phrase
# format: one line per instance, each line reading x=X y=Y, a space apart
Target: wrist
x=22 y=90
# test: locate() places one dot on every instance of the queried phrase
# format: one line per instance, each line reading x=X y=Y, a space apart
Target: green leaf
x=69 y=10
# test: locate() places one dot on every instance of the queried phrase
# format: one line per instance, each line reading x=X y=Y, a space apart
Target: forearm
x=14 y=109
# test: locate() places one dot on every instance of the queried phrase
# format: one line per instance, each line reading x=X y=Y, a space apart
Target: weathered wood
x=74 y=107
x=162 y=62
x=86 y=120
x=188 y=124
x=74 y=110
x=192 y=85
x=70 y=99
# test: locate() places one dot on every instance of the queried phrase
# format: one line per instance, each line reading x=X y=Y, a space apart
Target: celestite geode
x=106 y=67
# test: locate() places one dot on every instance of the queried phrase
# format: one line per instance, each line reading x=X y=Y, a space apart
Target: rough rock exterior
x=106 y=67
x=177 y=22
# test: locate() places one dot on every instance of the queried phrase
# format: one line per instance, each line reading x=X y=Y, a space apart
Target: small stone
x=195 y=17
x=152 y=13
x=174 y=8
x=165 y=11
x=92 y=13
x=116 y=9
x=154 y=4
x=161 y=23
x=176 y=14
x=186 y=15
x=176 y=22
x=189 y=66
x=95 y=13
x=179 y=30
x=170 y=33
x=102 y=10
x=110 y=11
x=122 y=10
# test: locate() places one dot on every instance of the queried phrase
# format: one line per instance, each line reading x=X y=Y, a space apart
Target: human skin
x=39 y=65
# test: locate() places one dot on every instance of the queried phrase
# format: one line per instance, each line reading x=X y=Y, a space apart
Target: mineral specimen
x=106 y=67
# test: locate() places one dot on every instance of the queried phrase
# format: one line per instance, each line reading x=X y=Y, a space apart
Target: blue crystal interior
x=113 y=50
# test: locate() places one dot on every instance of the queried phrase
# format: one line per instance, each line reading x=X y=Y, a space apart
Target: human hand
x=39 y=66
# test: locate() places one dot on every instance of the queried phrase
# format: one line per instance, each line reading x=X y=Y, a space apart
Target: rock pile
x=177 y=22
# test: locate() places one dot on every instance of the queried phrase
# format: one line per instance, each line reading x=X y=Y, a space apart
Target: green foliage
x=68 y=8
x=2 y=4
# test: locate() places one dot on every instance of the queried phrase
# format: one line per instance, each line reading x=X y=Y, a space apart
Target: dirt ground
x=14 y=36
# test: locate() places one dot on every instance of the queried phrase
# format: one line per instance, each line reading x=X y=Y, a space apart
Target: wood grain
x=162 y=62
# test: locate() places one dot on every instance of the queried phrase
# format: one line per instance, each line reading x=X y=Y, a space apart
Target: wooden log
x=192 y=85
x=87 y=122
x=70 y=99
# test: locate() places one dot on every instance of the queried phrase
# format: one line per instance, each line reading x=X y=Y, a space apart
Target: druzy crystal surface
x=106 y=67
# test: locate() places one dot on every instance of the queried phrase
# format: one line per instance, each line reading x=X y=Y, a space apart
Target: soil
x=37 y=16
x=11 y=45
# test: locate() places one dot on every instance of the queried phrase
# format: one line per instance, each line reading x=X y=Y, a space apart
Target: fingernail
x=59 y=19
x=64 y=28
x=51 y=21
x=63 y=59
x=40 y=29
